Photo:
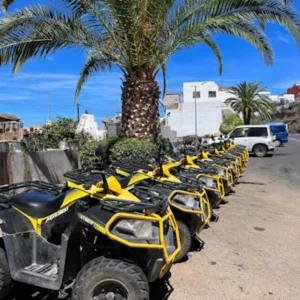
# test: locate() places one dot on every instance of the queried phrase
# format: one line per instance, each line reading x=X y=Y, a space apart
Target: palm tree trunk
x=140 y=107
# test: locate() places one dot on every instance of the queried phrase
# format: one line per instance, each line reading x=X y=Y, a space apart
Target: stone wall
x=42 y=165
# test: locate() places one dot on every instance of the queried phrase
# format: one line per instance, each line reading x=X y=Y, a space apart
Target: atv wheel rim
x=110 y=290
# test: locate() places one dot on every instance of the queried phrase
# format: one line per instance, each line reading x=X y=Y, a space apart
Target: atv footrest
x=48 y=270
x=214 y=218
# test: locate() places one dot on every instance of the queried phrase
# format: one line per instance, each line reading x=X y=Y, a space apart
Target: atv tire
x=5 y=278
x=185 y=240
x=104 y=277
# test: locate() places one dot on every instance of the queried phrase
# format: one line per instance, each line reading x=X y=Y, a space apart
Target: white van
x=257 y=138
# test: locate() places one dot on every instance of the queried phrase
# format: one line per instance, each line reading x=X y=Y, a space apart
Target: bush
x=62 y=129
x=87 y=151
x=132 y=149
x=230 y=123
x=117 y=149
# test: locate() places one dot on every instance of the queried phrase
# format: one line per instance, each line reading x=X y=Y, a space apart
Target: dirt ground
x=253 y=251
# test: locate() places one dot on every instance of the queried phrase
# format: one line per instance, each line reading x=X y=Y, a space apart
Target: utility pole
x=78 y=112
x=49 y=95
x=196 y=121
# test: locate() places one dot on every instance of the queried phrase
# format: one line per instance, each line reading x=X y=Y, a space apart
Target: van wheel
x=185 y=240
x=106 y=278
x=278 y=143
x=260 y=150
x=5 y=278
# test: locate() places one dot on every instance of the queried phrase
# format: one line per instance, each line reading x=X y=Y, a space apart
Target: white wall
x=204 y=88
x=221 y=95
x=209 y=115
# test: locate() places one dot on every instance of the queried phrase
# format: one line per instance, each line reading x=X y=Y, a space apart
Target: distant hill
x=290 y=116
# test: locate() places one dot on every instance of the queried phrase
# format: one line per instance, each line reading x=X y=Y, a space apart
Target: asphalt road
x=253 y=251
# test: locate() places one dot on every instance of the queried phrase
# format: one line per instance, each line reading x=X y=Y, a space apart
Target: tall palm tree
x=249 y=99
x=138 y=36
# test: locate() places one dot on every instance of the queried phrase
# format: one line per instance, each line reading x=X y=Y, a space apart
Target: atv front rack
x=150 y=199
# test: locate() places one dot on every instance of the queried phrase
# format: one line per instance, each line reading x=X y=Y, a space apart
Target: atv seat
x=37 y=204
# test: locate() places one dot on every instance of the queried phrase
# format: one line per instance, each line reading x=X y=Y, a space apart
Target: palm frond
x=95 y=62
x=4 y=4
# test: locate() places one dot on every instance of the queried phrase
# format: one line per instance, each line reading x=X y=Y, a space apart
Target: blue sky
x=101 y=95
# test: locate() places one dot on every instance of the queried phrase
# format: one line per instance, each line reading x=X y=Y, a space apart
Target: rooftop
x=9 y=117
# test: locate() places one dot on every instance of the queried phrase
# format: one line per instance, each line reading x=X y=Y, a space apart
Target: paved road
x=295 y=137
x=253 y=252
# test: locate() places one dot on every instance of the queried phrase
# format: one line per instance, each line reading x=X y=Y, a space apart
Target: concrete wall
x=166 y=132
x=43 y=165
x=209 y=118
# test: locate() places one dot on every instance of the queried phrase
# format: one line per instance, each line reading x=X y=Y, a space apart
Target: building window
x=212 y=94
x=196 y=95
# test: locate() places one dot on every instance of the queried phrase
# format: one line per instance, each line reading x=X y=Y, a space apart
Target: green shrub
x=87 y=151
x=230 y=123
x=117 y=149
x=132 y=149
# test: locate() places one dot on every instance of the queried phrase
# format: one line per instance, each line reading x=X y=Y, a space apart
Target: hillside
x=290 y=116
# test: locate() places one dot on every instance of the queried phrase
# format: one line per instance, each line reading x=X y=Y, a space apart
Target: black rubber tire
x=5 y=278
x=260 y=150
x=130 y=275
x=278 y=143
x=185 y=240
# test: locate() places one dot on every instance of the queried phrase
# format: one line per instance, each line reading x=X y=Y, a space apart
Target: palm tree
x=137 y=36
x=249 y=99
x=4 y=4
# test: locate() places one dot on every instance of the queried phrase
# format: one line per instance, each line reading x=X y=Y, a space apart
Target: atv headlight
x=137 y=228
x=222 y=173
x=186 y=201
x=231 y=166
x=209 y=182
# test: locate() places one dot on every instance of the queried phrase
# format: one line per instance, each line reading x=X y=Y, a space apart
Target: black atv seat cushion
x=38 y=204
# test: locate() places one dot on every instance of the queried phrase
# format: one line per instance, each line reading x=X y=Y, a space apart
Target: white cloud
x=282 y=37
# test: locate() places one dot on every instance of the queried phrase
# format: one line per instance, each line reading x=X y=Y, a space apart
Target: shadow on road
x=254 y=183
x=161 y=290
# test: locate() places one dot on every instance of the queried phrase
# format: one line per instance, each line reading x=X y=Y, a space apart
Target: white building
x=279 y=98
x=209 y=113
x=88 y=125
x=207 y=90
x=210 y=91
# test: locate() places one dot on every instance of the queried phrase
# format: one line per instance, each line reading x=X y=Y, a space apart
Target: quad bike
x=196 y=157
x=188 y=202
x=186 y=171
x=102 y=241
x=218 y=149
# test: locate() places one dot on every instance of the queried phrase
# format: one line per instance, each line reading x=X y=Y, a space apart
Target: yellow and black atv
x=186 y=171
x=195 y=157
x=188 y=202
x=102 y=241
